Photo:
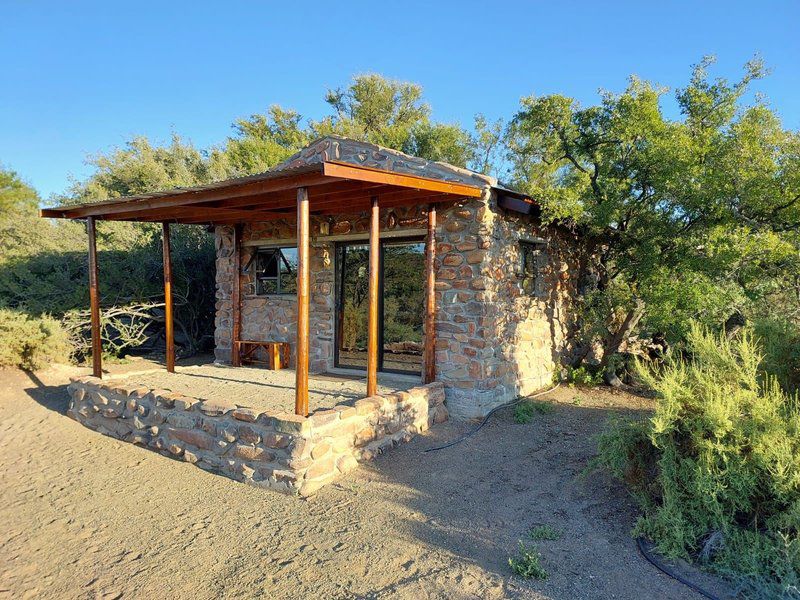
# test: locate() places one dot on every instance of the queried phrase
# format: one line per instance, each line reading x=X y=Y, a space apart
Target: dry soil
x=86 y=516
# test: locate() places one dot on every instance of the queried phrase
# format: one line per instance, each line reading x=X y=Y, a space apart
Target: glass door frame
x=338 y=299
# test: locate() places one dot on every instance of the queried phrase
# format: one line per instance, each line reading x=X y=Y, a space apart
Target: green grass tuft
x=544 y=532
x=525 y=410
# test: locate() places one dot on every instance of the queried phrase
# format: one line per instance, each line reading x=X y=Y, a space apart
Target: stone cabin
x=345 y=257
x=503 y=283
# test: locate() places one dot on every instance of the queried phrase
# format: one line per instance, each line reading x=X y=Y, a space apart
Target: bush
x=781 y=342
x=30 y=342
x=717 y=468
x=583 y=376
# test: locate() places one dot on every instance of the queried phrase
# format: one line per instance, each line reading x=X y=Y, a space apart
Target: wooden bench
x=277 y=353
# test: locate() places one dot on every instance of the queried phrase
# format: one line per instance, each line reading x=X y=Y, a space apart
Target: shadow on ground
x=412 y=524
x=479 y=498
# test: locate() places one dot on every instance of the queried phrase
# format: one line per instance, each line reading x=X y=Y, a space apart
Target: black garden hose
x=486 y=418
x=666 y=570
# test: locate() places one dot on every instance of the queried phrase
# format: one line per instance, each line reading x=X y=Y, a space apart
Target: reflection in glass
x=401 y=318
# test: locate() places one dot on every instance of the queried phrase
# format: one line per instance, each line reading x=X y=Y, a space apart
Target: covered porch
x=331 y=177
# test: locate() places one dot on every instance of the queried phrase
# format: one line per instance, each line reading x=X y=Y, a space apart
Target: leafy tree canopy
x=15 y=194
x=693 y=217
x=372 y=108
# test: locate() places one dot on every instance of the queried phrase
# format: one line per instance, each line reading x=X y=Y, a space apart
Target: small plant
x=525 y=410
x=577 y=399
x=583 y=376
x=527 y=564
x=544 y=532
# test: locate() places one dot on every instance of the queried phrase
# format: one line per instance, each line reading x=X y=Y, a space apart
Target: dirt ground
x=266 y=390
x=86 y=516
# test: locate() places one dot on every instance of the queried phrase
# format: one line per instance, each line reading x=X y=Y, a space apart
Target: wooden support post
x=168 y=322
x=430 y=298
x=94 y=299
x=374 y=271
x=275 y=352
x=236 y=297
x=303 y=285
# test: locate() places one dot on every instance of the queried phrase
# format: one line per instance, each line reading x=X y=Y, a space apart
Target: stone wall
x=279 y=451
x=530 y=334
x=493 y=342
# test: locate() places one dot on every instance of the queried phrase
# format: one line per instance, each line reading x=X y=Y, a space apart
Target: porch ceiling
x=333 y=187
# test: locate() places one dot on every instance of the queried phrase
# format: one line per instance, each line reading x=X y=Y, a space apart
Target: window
x=534 y=261
x=275 y=271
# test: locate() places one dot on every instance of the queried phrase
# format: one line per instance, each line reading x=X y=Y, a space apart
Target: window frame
x=258 y=279
x=536 y=249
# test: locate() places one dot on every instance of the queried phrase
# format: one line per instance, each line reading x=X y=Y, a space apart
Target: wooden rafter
x=347 y=171
x=187 y=214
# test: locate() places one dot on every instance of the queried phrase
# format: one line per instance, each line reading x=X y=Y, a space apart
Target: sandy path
x=85 y=516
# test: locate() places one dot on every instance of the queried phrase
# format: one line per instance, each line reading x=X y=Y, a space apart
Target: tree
x=140 y=167
x=679 y=217
x=15 y=194
x=262 y=141
x=372 y=109
x=391 y=113
x=375 y=109
x=130 y=264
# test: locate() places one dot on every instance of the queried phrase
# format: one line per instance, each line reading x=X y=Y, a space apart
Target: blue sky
x=82 y=77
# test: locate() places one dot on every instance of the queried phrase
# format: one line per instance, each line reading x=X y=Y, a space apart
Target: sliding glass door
x=401 y=308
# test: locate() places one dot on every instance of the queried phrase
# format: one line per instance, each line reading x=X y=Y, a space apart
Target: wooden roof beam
x=350 y=206
x=101 y=209
x=364 y=204
x=356 y=173
x=287 y=198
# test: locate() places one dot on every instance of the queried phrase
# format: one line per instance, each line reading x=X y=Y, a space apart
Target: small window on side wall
x=275 y=271
x=534 y=263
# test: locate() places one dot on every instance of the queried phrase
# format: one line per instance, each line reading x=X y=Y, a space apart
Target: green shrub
x=583 y=376
x=44 y=270
x=544 y=532
x=780 y=340
x=717 y=468
x=29 y=342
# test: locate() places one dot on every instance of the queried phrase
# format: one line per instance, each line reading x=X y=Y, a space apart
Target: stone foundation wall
x=279 y=451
